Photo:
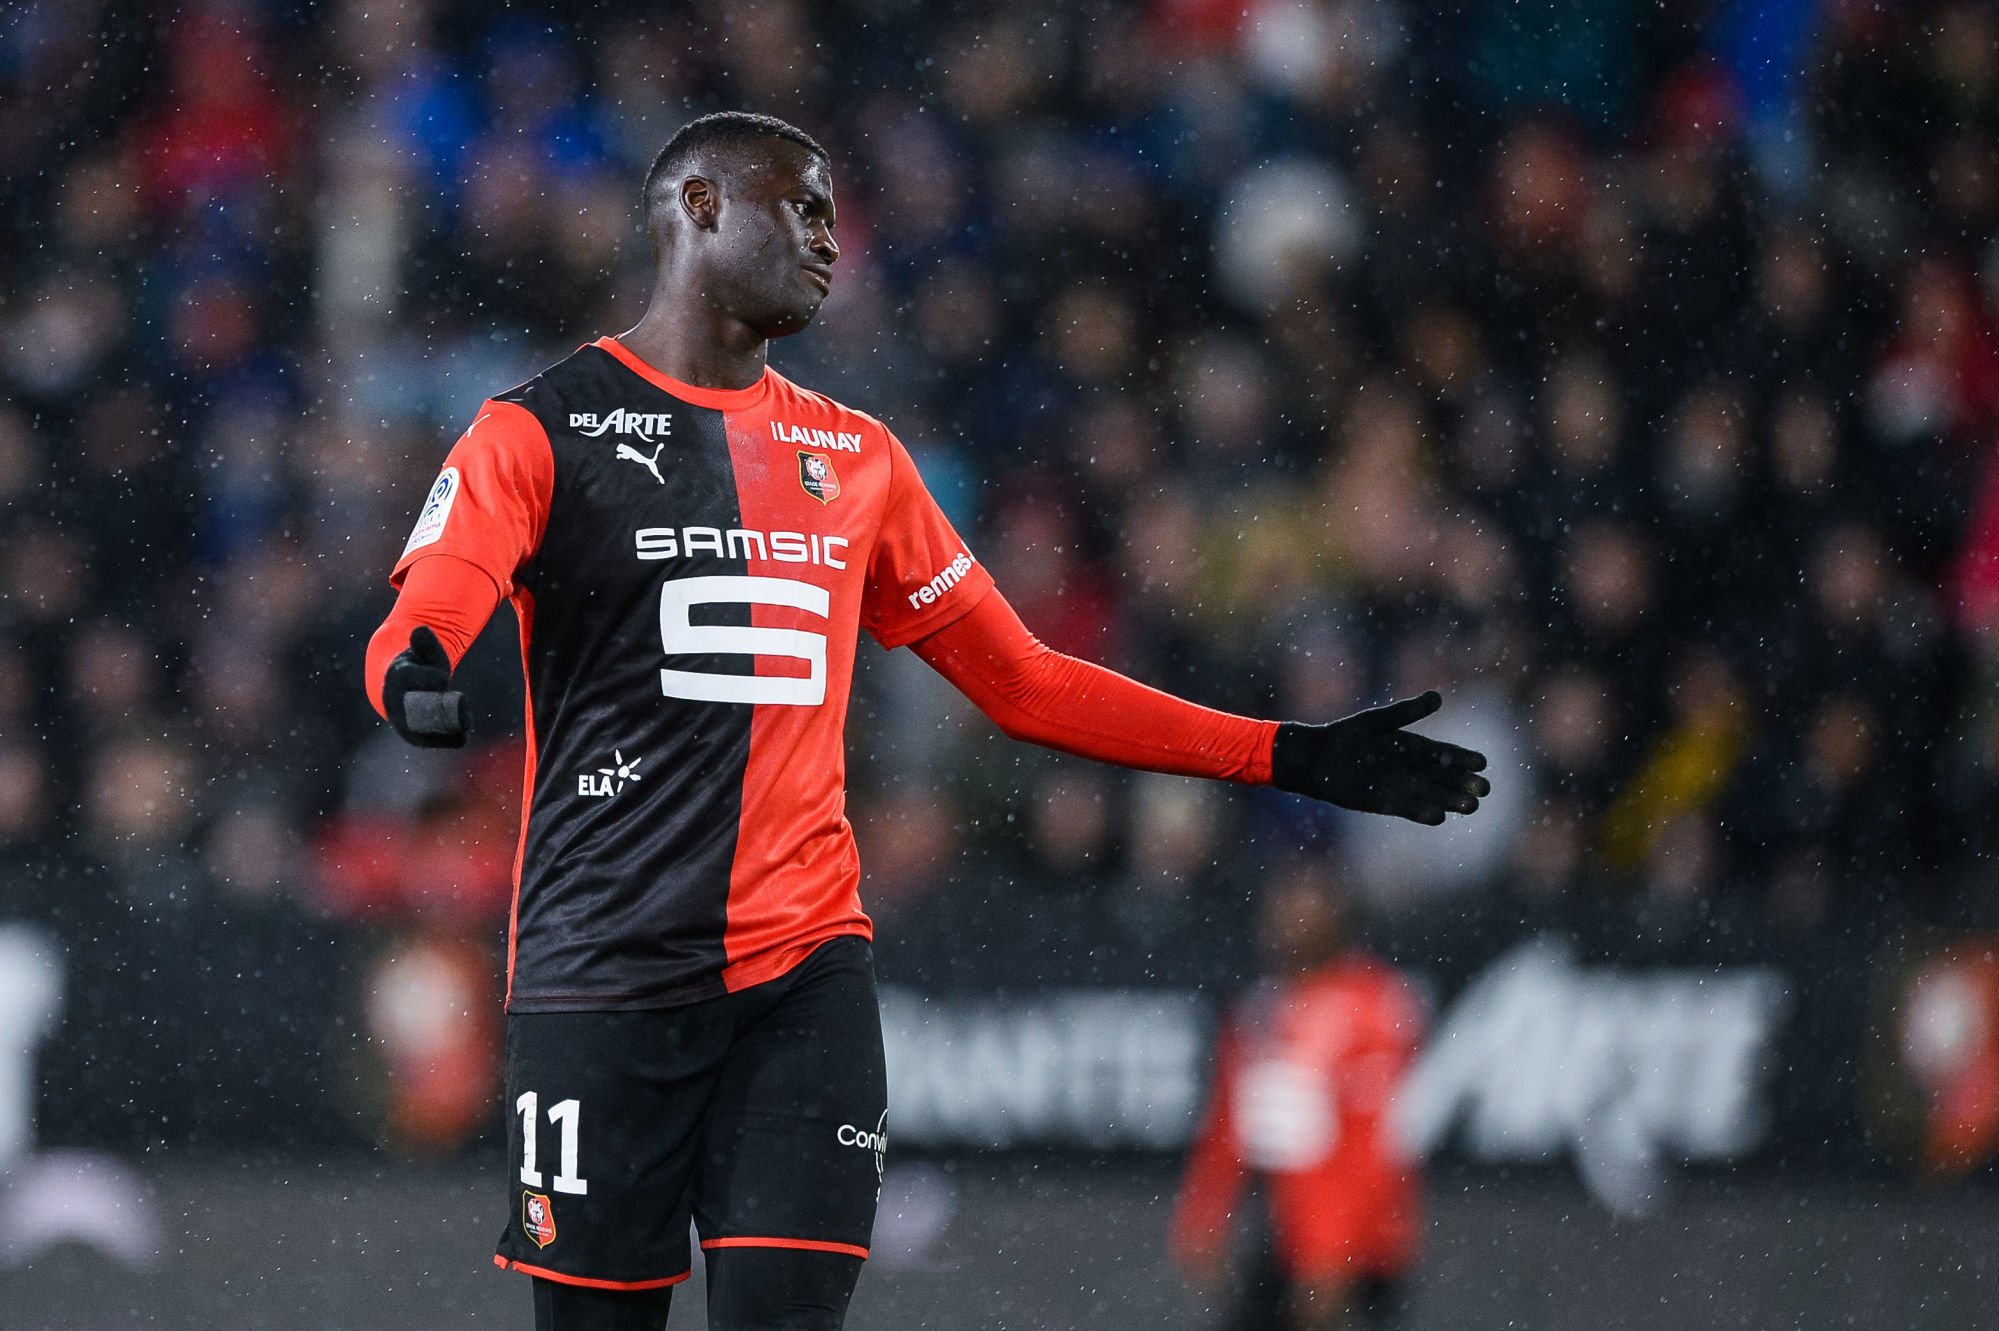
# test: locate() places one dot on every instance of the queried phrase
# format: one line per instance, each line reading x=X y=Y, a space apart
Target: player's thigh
x=798 y=1127
x=560 y=1307
x=779 y=1289
x=603 y=1140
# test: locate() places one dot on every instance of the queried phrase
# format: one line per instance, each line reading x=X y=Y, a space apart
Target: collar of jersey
x=720 y=399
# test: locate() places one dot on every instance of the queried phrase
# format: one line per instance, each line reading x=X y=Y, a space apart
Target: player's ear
x=700 y=200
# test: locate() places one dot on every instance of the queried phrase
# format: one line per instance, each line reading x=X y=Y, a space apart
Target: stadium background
x=1628 y=371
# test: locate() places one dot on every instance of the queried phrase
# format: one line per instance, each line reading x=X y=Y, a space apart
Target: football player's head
x=739 y=208
x=1303 y=922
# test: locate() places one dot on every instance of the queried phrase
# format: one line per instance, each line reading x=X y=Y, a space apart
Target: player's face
x=1300 y=927
x=778 y=248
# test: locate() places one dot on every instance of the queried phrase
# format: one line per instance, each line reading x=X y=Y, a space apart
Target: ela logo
x=608 y=781
x=538 y=1218
x=815 y=473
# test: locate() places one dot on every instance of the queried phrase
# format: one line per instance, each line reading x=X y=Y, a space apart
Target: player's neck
x=700 y=347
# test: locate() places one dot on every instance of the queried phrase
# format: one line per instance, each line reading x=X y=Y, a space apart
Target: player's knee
x=779 y=1289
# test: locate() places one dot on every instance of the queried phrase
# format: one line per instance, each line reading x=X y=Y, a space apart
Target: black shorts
x=761 y=1116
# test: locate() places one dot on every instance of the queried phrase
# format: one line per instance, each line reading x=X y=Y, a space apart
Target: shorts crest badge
x=816 y=474
x=538 y=1218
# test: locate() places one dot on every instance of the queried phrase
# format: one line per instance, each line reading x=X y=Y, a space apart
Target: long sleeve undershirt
x=1037 y=694
x=454 y=596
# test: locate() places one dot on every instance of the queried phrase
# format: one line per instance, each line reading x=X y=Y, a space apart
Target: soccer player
x=1305 y=1072
x=692 y=545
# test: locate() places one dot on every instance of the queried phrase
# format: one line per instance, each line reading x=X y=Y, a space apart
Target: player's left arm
x=1037 y=694
x=1367 y=762
x=926 y=591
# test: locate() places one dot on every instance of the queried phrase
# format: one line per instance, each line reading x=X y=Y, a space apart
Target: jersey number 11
x=565 y=1114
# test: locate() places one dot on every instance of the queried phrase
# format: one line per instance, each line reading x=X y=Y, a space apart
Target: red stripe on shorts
x=562 y=1278
x=806 y=1245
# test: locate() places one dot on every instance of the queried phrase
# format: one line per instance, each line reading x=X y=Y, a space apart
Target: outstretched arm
x=1037 y=694
x=1368 y=762
x=1365 y=762
x=444 y=603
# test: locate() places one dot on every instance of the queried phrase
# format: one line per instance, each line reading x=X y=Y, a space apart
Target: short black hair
x=725 y=130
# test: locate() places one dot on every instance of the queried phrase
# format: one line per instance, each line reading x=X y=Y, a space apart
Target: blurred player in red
x=1296 y=1167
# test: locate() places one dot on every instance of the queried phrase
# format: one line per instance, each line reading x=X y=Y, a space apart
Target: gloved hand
x=1368 y=762
x=417 y=693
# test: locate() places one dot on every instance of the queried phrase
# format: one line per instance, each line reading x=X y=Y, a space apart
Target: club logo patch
x=538 y=1218
x=816 y=474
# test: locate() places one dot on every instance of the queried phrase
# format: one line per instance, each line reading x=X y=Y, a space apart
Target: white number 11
x=568 y=1114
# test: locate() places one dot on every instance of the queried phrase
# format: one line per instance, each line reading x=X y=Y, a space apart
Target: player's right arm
x=481 y=521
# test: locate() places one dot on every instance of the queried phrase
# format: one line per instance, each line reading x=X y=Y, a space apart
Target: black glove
x=1370 y=763
x=416 y=692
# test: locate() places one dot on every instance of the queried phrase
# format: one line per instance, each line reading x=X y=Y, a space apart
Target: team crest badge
x=815 y=473
x=538 y=1218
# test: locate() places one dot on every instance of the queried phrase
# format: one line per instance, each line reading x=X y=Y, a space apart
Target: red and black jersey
x=691 y=568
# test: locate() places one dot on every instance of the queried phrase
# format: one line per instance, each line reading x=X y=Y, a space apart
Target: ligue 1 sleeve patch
x=538 y=1218
x=436 y=508
x=816 y=474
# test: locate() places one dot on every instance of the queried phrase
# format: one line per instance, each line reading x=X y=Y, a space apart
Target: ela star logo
x=608 y=782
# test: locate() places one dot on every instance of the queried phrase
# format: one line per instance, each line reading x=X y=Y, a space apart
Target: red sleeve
x=921 y=575
x=1213 y=1180
x=483 y=518
x=453 y=597
x=1037 y=694
x=489 y=506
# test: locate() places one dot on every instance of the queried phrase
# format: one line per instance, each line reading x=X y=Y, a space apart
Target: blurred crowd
x=1626 y=371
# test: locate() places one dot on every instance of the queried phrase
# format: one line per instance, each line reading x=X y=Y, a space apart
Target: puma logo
x=651 y=464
